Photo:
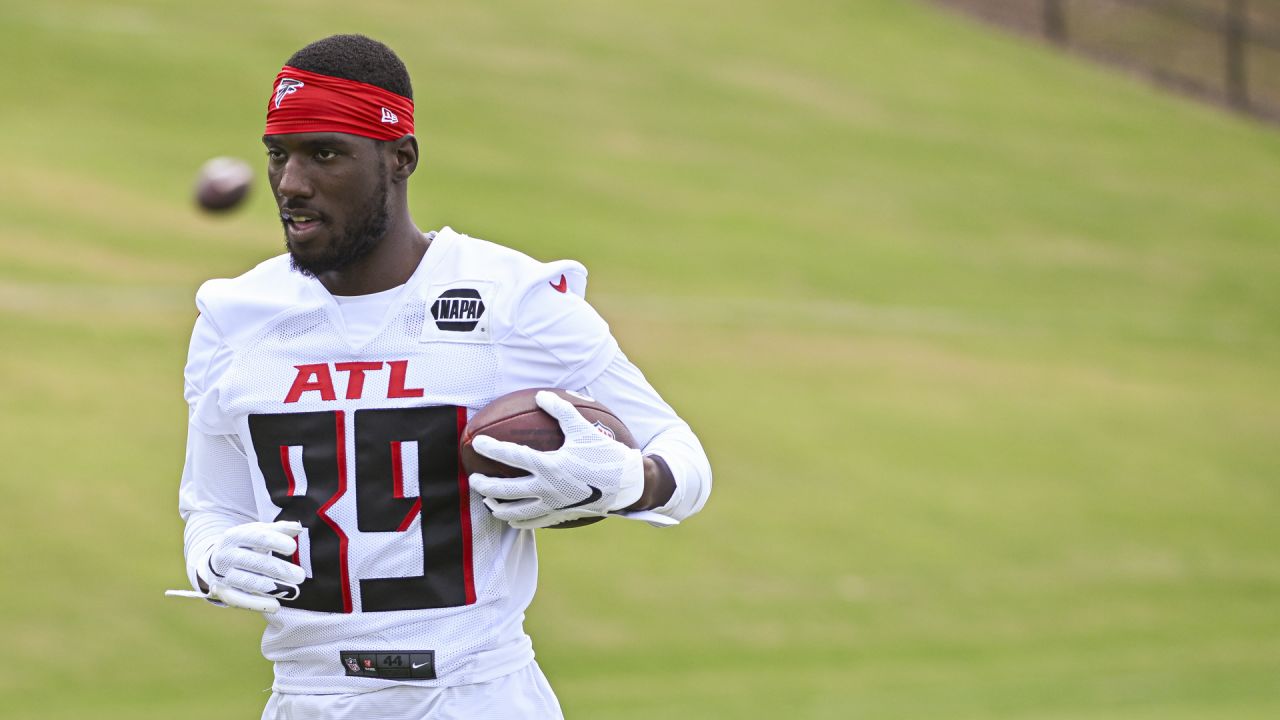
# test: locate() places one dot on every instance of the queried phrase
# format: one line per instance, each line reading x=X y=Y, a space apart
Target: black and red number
x=381 y=505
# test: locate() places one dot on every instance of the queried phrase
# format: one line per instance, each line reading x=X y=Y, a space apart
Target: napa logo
x=458 y=310
x=460 y=313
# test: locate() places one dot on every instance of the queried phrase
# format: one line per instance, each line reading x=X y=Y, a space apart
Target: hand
x=241 y=572
x=589 y=476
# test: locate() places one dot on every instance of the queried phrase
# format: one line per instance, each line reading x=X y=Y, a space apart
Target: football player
x=328 y=388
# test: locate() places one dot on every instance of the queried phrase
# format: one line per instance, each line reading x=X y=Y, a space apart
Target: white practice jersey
x=355 y=436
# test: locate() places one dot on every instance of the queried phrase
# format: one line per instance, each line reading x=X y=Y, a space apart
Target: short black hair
x=355 y=57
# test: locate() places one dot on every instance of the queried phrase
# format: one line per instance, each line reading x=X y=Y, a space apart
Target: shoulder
x=537 y=311
x=272 y=282
x=239 y=305
x=504 y=278
x=472 y=257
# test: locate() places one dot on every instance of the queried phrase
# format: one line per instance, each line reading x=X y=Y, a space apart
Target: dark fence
x=1227 y=51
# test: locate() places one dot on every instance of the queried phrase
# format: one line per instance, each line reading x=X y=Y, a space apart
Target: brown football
x=222 y=184
x=515 y=417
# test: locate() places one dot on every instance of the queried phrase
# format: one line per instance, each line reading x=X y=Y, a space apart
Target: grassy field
x=984 y=343
x=1178 y=43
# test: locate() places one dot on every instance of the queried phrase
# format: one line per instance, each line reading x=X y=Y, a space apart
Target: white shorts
x=522 y=695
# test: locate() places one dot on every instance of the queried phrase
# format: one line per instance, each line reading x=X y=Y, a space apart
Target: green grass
x=982 y=342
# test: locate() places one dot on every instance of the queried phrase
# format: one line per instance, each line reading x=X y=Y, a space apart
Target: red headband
x=309 y=102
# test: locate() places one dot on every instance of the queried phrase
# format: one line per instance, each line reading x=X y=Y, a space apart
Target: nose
x=293 y=181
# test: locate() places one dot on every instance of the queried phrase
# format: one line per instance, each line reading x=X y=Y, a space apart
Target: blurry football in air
x=516 y=417
x=223 y=183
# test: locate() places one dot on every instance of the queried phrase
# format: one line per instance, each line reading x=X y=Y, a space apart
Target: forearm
x=659 y=485
x=682 y=476
x=215 y=495
x=677 y=474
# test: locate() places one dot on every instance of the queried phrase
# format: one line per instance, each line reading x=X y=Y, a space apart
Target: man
x=328 y=389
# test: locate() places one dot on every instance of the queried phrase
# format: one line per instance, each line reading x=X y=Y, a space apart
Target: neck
x=390 y=264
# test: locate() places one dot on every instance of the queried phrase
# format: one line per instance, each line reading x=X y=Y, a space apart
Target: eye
x=326 y=154
x=275 y=154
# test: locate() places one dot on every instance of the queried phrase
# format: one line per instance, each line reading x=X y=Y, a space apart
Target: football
x=515 y=417
x=222 y=184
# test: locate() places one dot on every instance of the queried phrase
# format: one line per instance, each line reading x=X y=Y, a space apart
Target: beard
x=359 y=236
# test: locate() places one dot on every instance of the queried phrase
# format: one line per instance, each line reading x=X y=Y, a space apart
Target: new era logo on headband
x=325 y=103
x=287 y=86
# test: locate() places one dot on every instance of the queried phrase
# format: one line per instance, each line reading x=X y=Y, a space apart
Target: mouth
x=301 y=225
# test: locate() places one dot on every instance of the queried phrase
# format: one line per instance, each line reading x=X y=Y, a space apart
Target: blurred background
x=1224 y=51
x=983 y=339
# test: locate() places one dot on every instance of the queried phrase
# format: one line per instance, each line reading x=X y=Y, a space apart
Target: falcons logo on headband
x=287 y=86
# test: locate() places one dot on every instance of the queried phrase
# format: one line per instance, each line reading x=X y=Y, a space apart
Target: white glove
x=589 y=476
x=241 y=572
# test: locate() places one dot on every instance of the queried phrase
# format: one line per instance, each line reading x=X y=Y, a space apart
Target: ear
x=404 y=158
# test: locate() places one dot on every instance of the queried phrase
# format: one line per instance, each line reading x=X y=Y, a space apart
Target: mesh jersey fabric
x=292 y=418
x=400 y=555
x=362 y=314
